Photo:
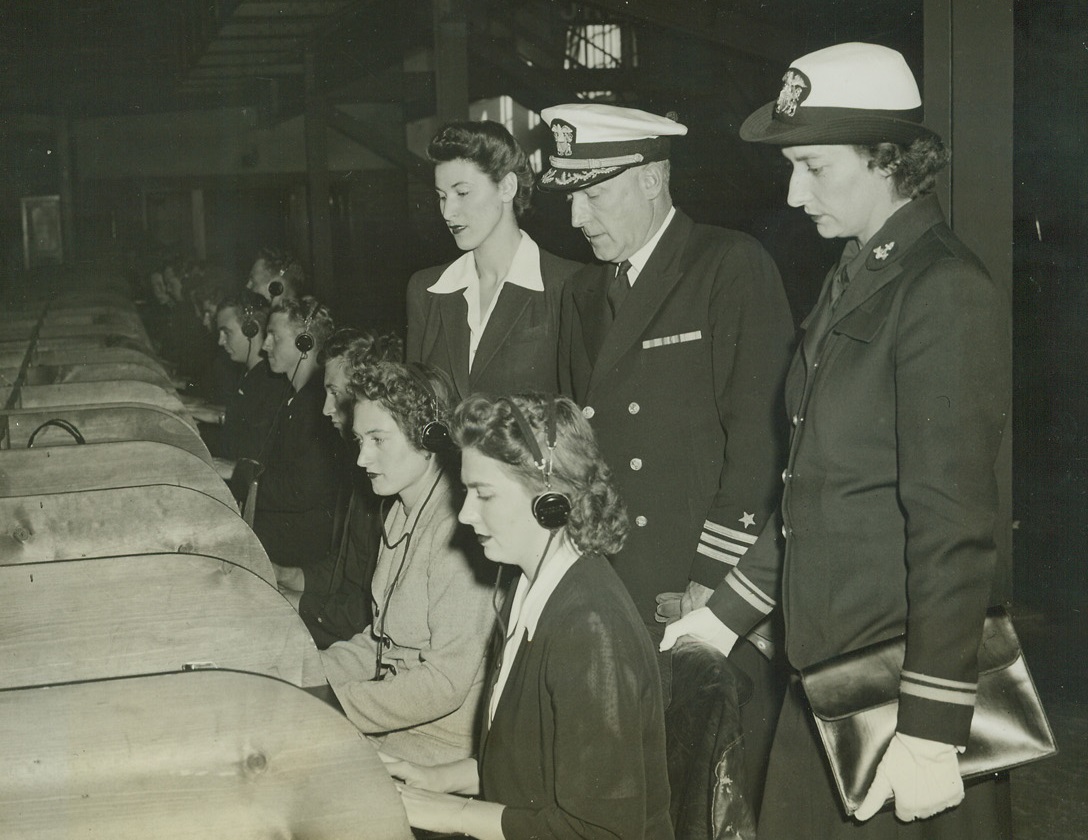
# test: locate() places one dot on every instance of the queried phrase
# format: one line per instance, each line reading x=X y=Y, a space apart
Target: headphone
x=551 y=509
x=434 y=434
x=275 y=287
x=304 y=341
x=250 y=327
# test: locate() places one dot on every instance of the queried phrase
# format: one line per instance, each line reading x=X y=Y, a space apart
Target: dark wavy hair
x=491 y=148
x=598 y=517
x=913 y=168
x=307 y=314
x=397 y=387
x=246 y=303
x=359 y=348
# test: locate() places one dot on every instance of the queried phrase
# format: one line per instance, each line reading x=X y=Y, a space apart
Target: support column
x=969 y=100
x=451 y=59
x=63 y=135
x=317 y=184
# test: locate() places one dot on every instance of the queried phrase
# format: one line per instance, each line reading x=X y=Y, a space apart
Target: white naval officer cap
x=594 y=142
x=850 y=93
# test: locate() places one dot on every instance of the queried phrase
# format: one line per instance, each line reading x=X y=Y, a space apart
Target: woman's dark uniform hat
x=846 y=94
x=596 y=142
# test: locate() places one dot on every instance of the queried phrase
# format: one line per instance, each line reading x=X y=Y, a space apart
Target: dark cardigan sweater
x=577 y=746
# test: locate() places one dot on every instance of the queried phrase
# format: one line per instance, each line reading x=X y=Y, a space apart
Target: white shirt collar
x=461 y=274
x=524 y=271
x=639 y=259
x=528 y=602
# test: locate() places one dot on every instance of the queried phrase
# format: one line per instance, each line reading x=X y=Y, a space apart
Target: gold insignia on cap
x=881 y=252
x=563 y=132
x=795 y=87
x=566 y=177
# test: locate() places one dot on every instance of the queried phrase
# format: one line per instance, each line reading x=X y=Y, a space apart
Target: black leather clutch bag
x=855 y=702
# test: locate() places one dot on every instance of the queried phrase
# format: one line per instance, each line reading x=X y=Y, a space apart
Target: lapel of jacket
x=454 y=314
x=815 y=324
x=509 y=308
x=653 y=284
x=883 y=263
x=588 y=291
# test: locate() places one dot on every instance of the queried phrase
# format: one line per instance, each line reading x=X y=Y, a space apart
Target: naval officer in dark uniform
x=675 y=345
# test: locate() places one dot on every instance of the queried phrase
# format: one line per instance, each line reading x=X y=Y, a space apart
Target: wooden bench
x=89 y=371
x=100 y=355
x=106 y=617
x=101 y=393
x=96 y=466
x=160 y=518
x=206 y=754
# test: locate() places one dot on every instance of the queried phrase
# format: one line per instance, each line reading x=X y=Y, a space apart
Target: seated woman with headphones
x=574 y=735
x=297 y=489
x=413 y=679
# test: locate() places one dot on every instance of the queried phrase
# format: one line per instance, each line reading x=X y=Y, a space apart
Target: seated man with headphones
x=246 y=417
x=574 y=742
x=413 y=679
x=336 y=603
x=298 y=485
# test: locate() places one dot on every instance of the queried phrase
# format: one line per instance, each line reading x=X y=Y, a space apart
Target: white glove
x=703 y=625
x=922 y=775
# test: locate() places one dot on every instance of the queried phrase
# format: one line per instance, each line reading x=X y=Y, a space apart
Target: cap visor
x=570 y=180
x=860 y=128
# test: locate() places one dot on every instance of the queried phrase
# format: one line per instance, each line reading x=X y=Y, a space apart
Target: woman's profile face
x=498 y=508
x=393 y=465
x=470 y=202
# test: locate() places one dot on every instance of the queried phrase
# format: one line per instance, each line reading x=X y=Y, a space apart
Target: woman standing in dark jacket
x=490 y=319
x=574 y=740
x=898 y=394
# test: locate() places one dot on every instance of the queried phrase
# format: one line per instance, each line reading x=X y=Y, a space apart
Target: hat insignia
x=795 y=89
x=563 y=132
x=881 y=252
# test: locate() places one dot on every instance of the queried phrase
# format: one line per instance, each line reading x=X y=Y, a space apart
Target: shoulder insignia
x=882 y=252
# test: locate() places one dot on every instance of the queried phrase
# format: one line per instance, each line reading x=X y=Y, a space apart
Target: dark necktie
x=619 y=287
x=838 y=286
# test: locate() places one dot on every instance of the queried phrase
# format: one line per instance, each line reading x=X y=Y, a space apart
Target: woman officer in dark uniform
x=899 y=394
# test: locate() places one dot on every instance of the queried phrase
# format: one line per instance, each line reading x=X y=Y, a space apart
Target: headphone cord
x=60 y=423
x=406 y=540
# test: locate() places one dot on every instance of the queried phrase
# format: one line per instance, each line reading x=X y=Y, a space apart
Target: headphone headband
x=434 y=434
x=304 y=341
x=249 y=325
x=551 y=509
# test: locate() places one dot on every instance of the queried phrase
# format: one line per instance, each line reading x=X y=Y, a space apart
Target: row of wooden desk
x=153 y=680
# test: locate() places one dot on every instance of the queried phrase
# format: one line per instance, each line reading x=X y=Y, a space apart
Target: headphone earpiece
x=304 y=341
x=551 y=509
x=434 y=434
x=250 y=327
